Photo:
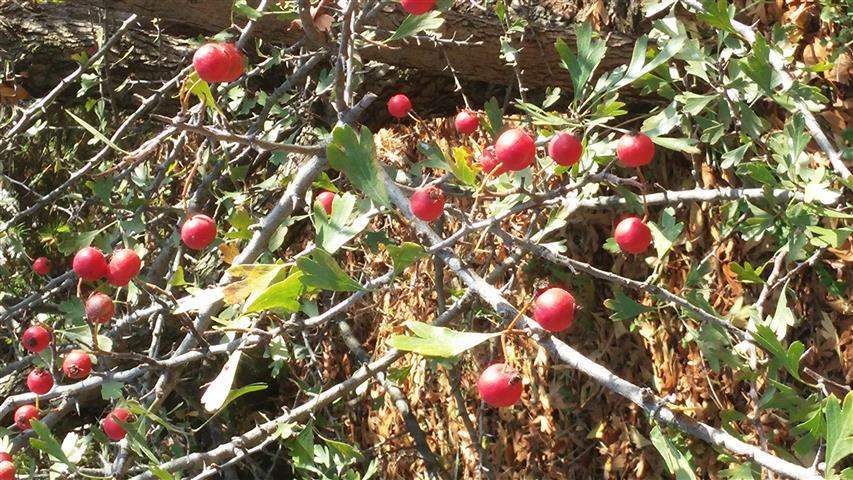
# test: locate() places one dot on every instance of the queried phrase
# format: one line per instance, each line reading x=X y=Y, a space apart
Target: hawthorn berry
x=326 y=199
x=554 y=309
x=77 y=365
x=218 y=62
x=35 y=339
x=99 y=308
x=489 y=161
x=500 y=385
x=635 y=150
x=24 y=414
x=89 y=264
x=565 y=149
x=399 y=106
x=237 y=66
x=466 y=122
x=124 y=265
x=39 y=381
x=632 y=235
x=111 y=427
x=417 y=7
x=198 y=232
x=5 y=457
x=427 y=203
x=41 y=266
x=515 y=149
x=7 y=470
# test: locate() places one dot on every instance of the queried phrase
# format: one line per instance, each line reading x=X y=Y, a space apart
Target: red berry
x=24 y=414
x=5 y=457
x=124 y=265
x=77 y=365
x=500 y=385
x=111 y=427
x=89 y=264
x=35 y=339
x=41 y=266
x=99 y=308
x=326 y=199
x=198 y=232
x=7 y=470
x=39 y=381
x=417 y=7
x=218 y=62
x=467 y=122
x=635 y=150
x=489 y=162
x=399 y=106
x=515 y=149
x=428 y=203
x=554 y=309
x=632 y=235
x=565 y=149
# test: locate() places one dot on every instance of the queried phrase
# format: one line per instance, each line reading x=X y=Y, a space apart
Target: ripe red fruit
x=124 y=265
x=89 y=264
x=218 y=62
x=635 y=150
x=326 y=199
x=428 y=203
x=554 y=309
x=198 y=232
x=5 y=457
x=565 y=149
x=417 y=7
x=515 y=149
x=7 y=470
x=41 y=266
x=111 y=427
x=399 y=106
x=39 y=381
x=99 y=308
x=77 y=365
x=24 y=414
x=35 y=339
x=632 y=235
x=489 y=161
x=466 y=122
x=500 y=385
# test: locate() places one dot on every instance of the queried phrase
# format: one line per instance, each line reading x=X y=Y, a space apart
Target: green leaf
x=693 y=102
x=404 y=255
x=243 y=8
x=494 y=118
x=462 y=168
x=839 y=431
x=47 y=444
x=321 y=271
x=589 y=55
x=637 y=68
x=94 y=131
x=666 y=232
x=829 y=237
x=355 y=156
x=676 y=463
x=336 y=230
x=414 y=24
x=111 y=390
x=284 y=294
x=784 y=317
x=71 y=242
x=733 y=157
x=757 y=66
x=789 y=359
x=746 y=273
x=440 y=342
x=718 y=14
x=625 y=307
x=685 y=145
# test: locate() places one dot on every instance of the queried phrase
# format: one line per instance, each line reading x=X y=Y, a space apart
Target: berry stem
x=643 y=191
x=511 y=326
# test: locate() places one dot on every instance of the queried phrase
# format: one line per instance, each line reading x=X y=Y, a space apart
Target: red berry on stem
x=39 y=381
x=500 y=385
x=326 y=199
x=124 y=265
x=237 y=65
x=565 y=149
x=7 y=470
x=399 y=106
x=635 y=150
x=218 y=62
x=99 y=308
x=89 y=264
x=24 y=414
x=554 y=309
x=41 y=266
x=428 y=203
x=417 y=7
x=198 y=232
x=489 y=161
x=5 y=457
x=111 y=427
x=77 y=365
x=466 y=122
x=632 y=235
x=515 y=149
x=35 y=339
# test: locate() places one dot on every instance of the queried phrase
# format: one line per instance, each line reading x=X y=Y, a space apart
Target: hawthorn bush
x=563 y=285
